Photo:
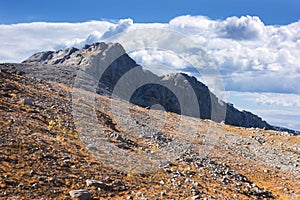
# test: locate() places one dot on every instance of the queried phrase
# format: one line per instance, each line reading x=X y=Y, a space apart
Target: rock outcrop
x=108 y=69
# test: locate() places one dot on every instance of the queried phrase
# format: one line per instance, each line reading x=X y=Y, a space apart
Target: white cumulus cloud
x=19 y=41
x=122 y=26
x=253 y=58
x=250 y=55
x=243 y=28
x=285 y=100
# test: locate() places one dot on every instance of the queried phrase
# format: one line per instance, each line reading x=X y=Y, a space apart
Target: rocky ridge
x=111 y=64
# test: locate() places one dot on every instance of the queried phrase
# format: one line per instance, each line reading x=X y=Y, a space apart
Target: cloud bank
x=277 y=109
x=260 y=63
x=251 y=56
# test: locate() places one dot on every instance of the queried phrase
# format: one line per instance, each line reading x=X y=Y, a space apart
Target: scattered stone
x=176 y=174
x=295 y=165
x=32 y=172
x=195 y=191
x=123 y=146
x=53 y=180
x=28 y=101
x=129 y=198
x=139 y=194
x=20 y=73
x=278 y=167
x=179 y=183
x=8 y=86
x=168 y=170
x=91 y=147
x=225 y=180
x=95 y=183
x=118 y=183
x=80 y=194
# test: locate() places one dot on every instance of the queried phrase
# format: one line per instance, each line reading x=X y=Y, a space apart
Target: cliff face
x=118 y=75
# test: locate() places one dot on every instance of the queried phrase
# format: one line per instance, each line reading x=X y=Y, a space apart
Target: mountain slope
x=43 y=154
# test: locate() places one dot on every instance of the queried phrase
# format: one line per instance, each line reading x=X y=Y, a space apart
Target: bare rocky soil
x=57 y=142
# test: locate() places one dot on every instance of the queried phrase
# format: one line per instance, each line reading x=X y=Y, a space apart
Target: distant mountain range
x=111 y=71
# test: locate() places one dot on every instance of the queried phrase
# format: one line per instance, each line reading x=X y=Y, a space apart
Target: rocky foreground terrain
x=47 y=153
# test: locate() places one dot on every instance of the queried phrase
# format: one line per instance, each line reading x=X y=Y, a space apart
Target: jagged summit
x=173 y=91
x=73 y=56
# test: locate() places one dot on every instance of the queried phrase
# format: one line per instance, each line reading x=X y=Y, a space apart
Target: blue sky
x=269 y=11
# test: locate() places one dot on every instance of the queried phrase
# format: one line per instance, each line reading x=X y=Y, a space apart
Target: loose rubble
x=43 y=156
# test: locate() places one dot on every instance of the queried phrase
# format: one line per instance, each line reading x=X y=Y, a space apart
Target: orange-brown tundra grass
x=42 y=156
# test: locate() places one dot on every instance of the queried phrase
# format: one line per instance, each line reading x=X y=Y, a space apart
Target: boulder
x=80 y=194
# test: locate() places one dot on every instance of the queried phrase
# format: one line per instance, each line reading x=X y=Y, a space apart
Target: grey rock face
x=182 y=94
x=244 y=118
x=70 y=56
x=107 y=69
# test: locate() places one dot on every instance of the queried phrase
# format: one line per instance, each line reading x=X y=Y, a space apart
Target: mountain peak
x=73 y=56
x=109 y=62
